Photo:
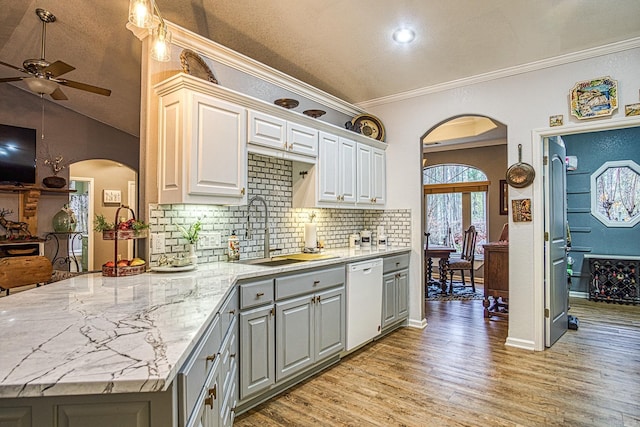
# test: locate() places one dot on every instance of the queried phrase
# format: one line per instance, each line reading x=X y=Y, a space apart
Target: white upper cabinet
x=202 y=147
x=337 y=169
x=273 y=136
x=371 y=176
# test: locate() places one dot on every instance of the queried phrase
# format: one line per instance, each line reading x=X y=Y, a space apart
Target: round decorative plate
x=194 y=65
x=368 y=125
x=314 y=113
x=286 y=103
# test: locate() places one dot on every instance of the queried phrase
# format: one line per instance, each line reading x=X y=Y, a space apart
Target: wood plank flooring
x=458 y=372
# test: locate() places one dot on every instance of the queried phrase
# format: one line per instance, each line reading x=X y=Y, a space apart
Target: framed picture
x=111 y=196
x=632 y=110
x=594 y=98
x=504 y=197
x=521 y=210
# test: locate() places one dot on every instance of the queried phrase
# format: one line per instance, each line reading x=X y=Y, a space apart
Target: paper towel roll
x=310 y=236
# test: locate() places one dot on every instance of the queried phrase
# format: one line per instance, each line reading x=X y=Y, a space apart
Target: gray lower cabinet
x=287 y=326
x=395 y=290
x=257 y=350
x=309 y=329
x=207 y=382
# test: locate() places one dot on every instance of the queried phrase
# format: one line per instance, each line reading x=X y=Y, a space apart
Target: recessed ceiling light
x=404 y=35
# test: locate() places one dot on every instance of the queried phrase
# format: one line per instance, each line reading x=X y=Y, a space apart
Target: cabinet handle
x=208 y=401
x=313 y=300
x=212 y=357
x=338 y=197
x=316 y=282
x=291 y=146
x=397 y=264
x=232 y=355
x=342 y=197
x=259 y=294
x=242 y=191
x=318 y=299
x=272 y=312
x=232 y=312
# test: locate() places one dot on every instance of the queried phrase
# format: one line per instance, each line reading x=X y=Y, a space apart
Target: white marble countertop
x=92 y=334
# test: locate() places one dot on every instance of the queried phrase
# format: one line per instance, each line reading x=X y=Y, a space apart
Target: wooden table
x=496 y=279
x=442 y=253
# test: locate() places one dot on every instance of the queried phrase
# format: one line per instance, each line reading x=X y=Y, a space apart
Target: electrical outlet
x=157 y=243
x=216 y=240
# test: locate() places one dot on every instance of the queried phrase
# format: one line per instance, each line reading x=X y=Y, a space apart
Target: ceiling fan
x=44 y=77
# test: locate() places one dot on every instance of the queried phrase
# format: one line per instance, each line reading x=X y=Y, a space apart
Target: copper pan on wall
x=521 y=174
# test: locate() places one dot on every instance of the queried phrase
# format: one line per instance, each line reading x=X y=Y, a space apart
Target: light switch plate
x=157 y=243
x=209 y=241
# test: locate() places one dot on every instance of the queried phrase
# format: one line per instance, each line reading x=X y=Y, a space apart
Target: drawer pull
x=232 y=355
x=208 y=401
x=212 y=357
x=316 y=282
x=259 y=294
x=232 y=312
x=214 y=391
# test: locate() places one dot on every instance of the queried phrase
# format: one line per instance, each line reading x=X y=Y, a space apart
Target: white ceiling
x=343 y=47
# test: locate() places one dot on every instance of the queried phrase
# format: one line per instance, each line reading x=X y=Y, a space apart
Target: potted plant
x=57 y=164
x=191 y=235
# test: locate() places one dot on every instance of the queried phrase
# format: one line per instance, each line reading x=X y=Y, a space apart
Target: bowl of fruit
x=124 y=230
x=124 y=267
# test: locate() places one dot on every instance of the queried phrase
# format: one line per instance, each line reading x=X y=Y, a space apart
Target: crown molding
x=507 y=72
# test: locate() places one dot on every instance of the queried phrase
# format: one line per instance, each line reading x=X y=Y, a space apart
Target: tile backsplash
x=271 y=178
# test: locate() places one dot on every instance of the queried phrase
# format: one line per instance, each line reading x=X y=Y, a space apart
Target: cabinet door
x=267 y=130
x=217 y=159
x=364 y=181
x=347 y=172
x=257 y=361
x=378 y=176
x=294 y=336
x=389 y=312
x=402 y=293
x=330 y=323
x=302 y=139
x=329 y=168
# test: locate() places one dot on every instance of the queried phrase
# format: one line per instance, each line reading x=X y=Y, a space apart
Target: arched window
x=456 y=197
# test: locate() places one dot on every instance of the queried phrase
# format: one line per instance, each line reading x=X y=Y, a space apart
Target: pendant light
x=141 y=14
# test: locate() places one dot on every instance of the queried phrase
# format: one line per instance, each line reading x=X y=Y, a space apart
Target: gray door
x=294 y=335
x=257 y=351
x=329 y=323
x=556 y=299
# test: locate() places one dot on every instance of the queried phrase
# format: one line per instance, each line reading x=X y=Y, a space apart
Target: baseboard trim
x=420 y=324
x=576 y=294
x=522 y=344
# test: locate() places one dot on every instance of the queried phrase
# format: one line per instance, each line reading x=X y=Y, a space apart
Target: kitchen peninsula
x=111 y=348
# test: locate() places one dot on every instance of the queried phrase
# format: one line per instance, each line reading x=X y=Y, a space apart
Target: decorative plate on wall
x=194 y=65
x=368 y=125
x=594 y=98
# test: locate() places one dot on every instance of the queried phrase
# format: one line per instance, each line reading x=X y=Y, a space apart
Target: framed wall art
x=111 y=196
x=504 y=197
x=594 y=98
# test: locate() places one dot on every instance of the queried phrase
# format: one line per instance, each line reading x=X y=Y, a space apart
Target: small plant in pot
x=126 y=228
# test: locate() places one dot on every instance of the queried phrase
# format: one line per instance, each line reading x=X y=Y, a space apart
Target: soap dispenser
x=233 y=253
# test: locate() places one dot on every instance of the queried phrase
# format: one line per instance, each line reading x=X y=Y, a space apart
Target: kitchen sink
x=286 y=259
x=271 y=262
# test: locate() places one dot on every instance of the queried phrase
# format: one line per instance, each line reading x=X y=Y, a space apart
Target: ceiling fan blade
x=14 y=67
x=58 y=95
x=84 y=86
x=11 y=79
x=58 y=68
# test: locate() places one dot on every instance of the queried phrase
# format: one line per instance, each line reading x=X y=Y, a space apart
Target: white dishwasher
x=364 y=302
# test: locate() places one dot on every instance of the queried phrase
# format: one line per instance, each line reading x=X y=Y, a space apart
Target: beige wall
x=107 y=175
x=493 y=162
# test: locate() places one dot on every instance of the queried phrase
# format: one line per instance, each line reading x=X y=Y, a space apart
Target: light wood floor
x=458 y=372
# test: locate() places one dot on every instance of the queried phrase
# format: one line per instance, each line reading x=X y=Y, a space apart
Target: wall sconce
x=141 y=14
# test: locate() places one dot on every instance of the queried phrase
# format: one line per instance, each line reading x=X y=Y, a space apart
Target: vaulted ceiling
x=343 y=47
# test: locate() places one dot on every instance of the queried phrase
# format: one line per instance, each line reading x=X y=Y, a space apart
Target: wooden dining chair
x=467 y=256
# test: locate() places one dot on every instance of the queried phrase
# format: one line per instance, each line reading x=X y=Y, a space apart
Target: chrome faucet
x=267 y=251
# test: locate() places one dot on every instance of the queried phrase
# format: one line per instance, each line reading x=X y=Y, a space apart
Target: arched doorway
x=470 y=148
x=93 y=181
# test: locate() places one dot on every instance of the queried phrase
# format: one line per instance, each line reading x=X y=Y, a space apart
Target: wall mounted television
x=17 y=155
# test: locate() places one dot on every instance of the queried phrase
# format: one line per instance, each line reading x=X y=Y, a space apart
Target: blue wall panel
x=588 y=234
